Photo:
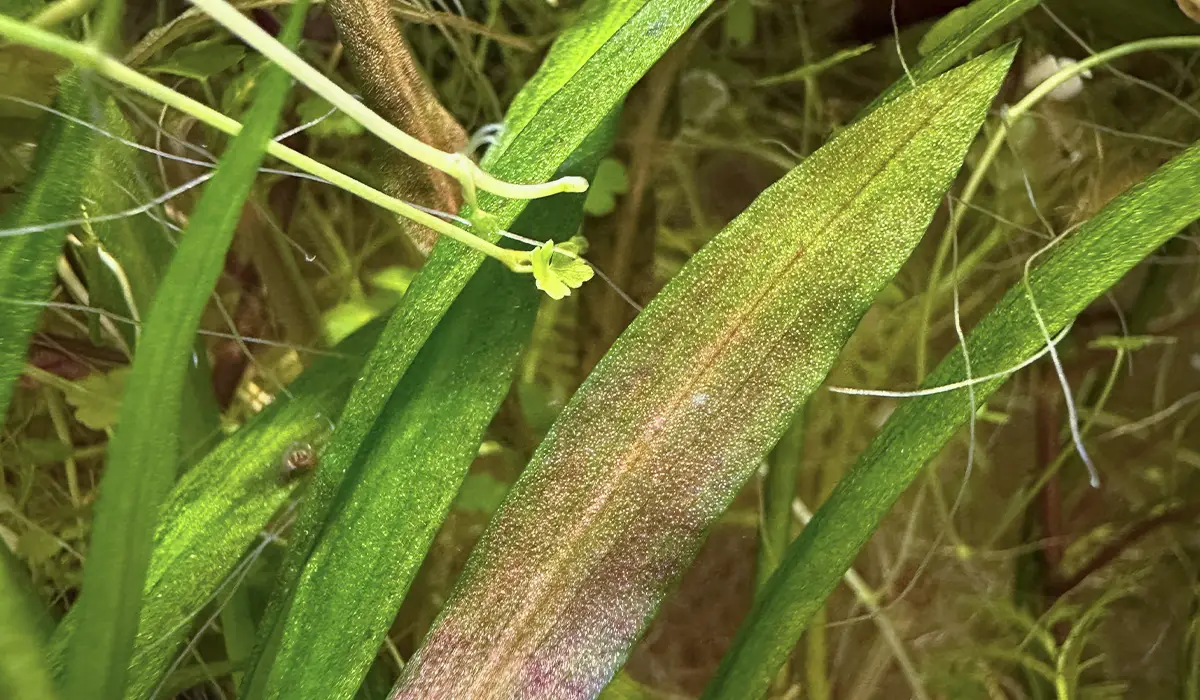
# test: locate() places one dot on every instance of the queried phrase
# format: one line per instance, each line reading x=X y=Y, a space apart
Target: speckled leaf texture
x=652 y=448
x=219 y=509
x=23 y=671
x=594 y=62
x=27 y=261
x=144 y=450
x=1074 y=274
x=427 y=438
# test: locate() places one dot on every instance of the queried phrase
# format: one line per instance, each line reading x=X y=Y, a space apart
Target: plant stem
x=779 y=488
x=457 y=165
x=775 y=521
x=58 y=12
x=106 y=24
x=1063 y=453
x=816 y=674
x=394 y=87
x=868 y=599
x=1181 y=514
x=91 y=57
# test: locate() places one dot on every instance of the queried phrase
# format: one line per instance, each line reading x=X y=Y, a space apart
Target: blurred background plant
x=1015 y=580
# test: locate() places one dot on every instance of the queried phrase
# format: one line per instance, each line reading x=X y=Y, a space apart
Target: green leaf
x=23 y=671
x=674 y=419
x=812 y=70
x=360 y=571
x=952 y=24
x=200 y=61
x=586 y=73
x=610 y=181
x=220 y=507
x=332 y=123
x=739 y=23
x=20 y=8
x=395 y=279
x=142 y=249
x=97 y=398
x=27 y=260
x=975 y=23
x=31 y=74
x=1076 y=272
x=624 y=687
x=144 y=451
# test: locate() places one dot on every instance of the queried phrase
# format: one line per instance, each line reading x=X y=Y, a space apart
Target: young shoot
x=562 y=270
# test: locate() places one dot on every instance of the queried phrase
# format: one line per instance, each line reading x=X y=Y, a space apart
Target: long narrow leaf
x=220 y=507
x=141 y=247
x=673 y=420
x=411 y=469
x=27 y=260
x=971 y=26
x=145 y=449
x=594 y=64
x=1078 y=271
x=23 y=671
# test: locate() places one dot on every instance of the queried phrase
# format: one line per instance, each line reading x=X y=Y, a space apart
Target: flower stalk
x=91 y=57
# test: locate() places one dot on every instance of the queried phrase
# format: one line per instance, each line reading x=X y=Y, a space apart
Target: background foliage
x=999 y=573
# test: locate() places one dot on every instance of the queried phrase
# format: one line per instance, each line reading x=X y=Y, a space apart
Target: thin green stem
x=779 y=488
x=89 y=56
x=997 y=141
x=58 y=12
x=58 y=418
x=106 y=27
x=457 y=165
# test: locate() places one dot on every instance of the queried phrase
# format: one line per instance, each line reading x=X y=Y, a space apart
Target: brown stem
x=69 y=358
x=393 y=86
x=1114 y=549
x=644 y=160
x=230 y=359
x=1050 y=498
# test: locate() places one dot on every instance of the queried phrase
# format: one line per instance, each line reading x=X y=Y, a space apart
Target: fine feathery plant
x=357 y=463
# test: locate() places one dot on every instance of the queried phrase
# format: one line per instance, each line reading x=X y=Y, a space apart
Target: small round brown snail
x=299 y=458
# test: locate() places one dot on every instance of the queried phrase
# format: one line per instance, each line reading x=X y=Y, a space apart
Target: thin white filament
x=931 y=391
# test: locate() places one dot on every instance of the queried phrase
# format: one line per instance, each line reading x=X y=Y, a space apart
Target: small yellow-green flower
x=556 y=272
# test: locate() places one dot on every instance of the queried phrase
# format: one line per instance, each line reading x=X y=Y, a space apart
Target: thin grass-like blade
x=141 y=248
x=412 y=467
x=144 y=451
x=589 y=70
x=219 y=508
x=678 y=414
x=27 y=260
x=1079 y=270
x=24 y=674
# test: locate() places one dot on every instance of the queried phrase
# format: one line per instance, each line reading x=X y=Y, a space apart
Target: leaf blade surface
x=593 y=77
x=664 y=432
x=1078 y=271
x=144 y=451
